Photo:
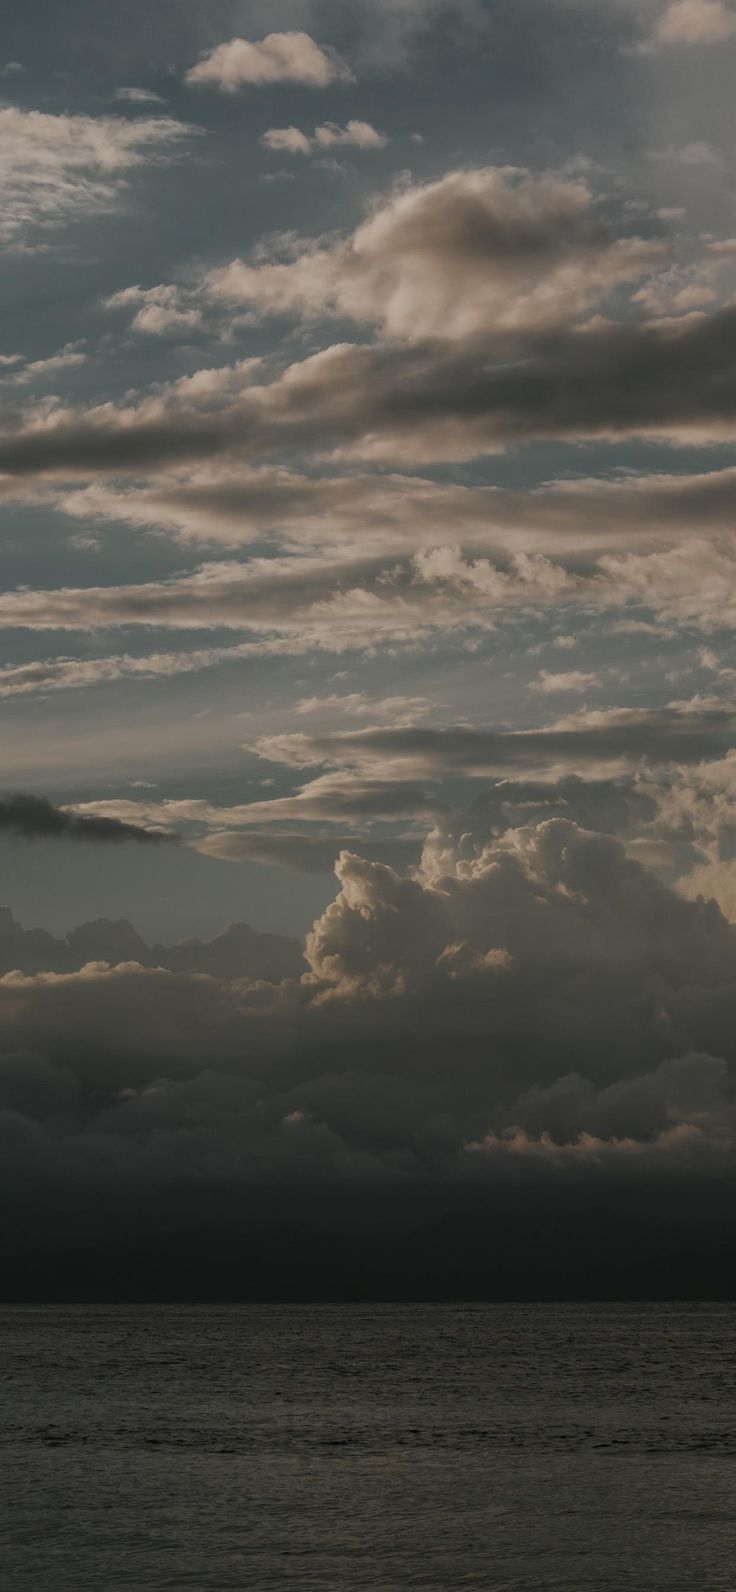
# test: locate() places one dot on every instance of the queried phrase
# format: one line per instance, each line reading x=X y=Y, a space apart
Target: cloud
x=300 y=852
x=292 y=604
x=77 y=674
x=287 y=140
x=574 y=680
x=331 y=798
x=233 y=506
x=355 y=134
x=685 y=22
x=55 y=169
x=138 y=96
x=158 y=310
x=278 y=58
x=355 y=704
x=237 y=952
x=668 y=381
x=316 y=602
x=443 y=1053
x=41 y=369
x=602 y=740
x=34 y=818
x=478 y=252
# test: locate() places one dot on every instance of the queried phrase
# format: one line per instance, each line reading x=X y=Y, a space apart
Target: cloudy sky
x=367 y=481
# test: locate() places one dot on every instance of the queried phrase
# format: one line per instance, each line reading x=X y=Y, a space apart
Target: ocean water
x=510 y=1448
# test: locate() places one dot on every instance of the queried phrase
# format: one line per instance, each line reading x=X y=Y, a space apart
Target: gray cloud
x=239 y=952
x=34 y=818
x=477 y=253
x=670 y=381
x=609 y=739
x=392 y=511
x=437 y=1016
x=533 y=1018
x=331 y=798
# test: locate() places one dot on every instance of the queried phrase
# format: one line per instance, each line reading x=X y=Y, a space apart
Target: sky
x=367 y=480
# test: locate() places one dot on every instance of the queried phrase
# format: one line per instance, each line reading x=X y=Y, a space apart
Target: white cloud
x=279 y=58
x=55 y=169
x=686 y=22
x=359 y=135
x=41 y=369
x=287 y=139
x=575 y=680
x=158 y=310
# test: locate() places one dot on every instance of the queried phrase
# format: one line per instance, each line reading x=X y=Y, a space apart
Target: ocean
x=514 y=1448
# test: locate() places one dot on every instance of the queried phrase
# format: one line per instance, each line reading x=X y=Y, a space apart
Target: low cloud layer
x=444 y=1042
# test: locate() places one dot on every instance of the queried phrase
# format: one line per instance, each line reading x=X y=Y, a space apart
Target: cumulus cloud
x=278 y=58
x=480 y=251
x=292 y=141
x=34 y=818
x=455 y=992
x=55 y=169
x=445 y=1041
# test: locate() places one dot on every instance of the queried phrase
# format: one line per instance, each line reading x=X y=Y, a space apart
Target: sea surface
x=510 y=1448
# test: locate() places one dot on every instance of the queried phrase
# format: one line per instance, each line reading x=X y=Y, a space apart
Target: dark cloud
x=530 y=1017
x=671 y=380
x=237 y=952
x=34 y=818
x=682 y=733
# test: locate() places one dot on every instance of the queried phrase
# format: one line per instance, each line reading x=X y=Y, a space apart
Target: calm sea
x=491 y=1446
